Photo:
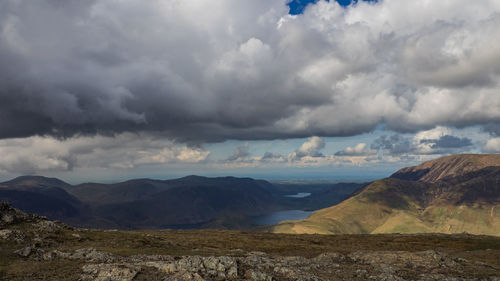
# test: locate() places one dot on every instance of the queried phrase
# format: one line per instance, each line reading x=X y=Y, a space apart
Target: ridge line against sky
x=108 y=89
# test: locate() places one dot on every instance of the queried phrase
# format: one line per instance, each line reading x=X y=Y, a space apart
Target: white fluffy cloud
x=311 y=148
x=361 y=149
x=208 y=71
x=41 y=154
x=199 y=71
x=492 y=146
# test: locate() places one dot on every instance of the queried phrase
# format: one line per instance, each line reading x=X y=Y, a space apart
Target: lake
x=276 y=217
x=299 y=195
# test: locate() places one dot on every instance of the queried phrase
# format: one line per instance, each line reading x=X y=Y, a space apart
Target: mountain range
x=184 y=203
x=452 y=194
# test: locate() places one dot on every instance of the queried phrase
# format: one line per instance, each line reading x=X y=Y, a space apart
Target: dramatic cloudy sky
x=114 y=89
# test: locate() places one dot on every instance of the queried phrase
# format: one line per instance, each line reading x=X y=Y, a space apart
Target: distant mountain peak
x=193 y=177
x=448 y=166
x=36 y=181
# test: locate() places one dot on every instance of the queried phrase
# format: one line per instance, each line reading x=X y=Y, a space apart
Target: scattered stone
x=185 y=276
x=385 y=265
x=257 y=276
x=7 y=219
x=150 y=258
x=209 y=267
x=92 y=255
x=24 y=252
x=109 y=272
x=46 y=226
x=329 y=258
x=257 y=253
x=5 y=234
x=9 y=215
x=49 y=256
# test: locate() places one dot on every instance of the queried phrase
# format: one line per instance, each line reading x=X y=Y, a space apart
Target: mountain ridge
x=187 y=202
x=432 y=197
x=33 y=180
x=447 y=166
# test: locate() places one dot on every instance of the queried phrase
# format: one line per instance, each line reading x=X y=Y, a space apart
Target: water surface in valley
x=299 y=195
x=276 y=217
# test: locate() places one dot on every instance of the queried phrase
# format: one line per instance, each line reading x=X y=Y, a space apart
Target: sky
x=107 y=90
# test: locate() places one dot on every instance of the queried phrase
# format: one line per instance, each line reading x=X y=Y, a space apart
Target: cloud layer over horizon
x=172 y=82
x=197 y=71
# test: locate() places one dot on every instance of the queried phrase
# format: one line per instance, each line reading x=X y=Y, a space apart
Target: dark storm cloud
x=395 y=144
x=435 y=141
x=492 y=128
x=198 y=71
x=448 y=141
x=239 y=153
x=270 y=155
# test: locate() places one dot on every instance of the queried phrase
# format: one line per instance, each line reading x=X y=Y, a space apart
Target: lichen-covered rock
x=85 y=254
x=10 y=216
x=382 y=265
x=150 y=258
x=225 y=267
x=92 y=255
x=257 y=276
x=13 y=235
x=184 y=276
x=7 y=219
x=208 y=267
x=24 y=252
x=328 y=258
x=261 y=262
x=109 y=272
x=5 y=234
x=45 y=227
x=31 y=252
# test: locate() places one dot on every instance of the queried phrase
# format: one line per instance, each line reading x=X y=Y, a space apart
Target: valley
x=191 y=202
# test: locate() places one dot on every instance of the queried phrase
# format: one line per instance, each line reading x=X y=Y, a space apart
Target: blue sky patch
x=298 y=6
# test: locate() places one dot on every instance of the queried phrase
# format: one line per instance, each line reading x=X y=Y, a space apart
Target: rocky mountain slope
x=453 y=194
x=448 y=167
x=33 y=248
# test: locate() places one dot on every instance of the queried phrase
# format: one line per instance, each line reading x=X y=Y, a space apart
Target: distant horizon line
x=312 y=179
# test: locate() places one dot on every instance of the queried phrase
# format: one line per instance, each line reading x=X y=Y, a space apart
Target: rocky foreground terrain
x=33 y=248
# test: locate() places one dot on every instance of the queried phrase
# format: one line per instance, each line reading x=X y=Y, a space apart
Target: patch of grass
x=22 y=270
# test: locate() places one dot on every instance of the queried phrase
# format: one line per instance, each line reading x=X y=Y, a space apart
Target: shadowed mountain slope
x=141 y=203
x=188 y=202
x=42 y=196
x=453 y=194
